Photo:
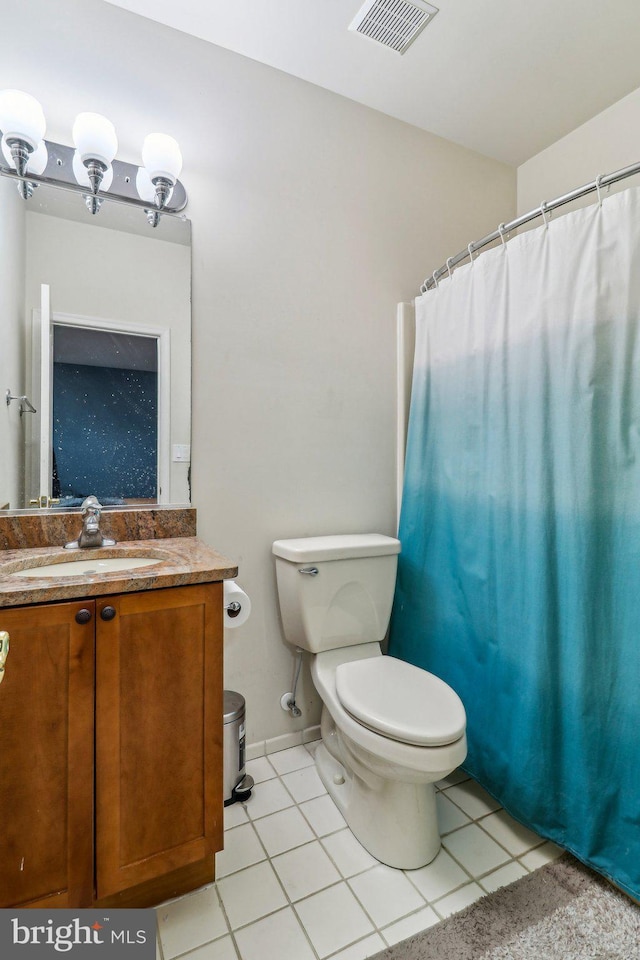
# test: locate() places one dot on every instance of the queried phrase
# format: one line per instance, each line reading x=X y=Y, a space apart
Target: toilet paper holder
x=236 y=605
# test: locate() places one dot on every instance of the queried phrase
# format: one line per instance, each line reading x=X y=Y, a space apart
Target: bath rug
x=562 y=911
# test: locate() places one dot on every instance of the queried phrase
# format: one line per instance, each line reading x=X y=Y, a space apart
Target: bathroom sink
x=86 y=566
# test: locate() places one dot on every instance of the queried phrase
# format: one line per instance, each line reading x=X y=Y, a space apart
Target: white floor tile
x=471 y=798
x=385 y=894
x=450 y=817
x=458 y=900
x=541 y=855
x=502 y=876
x=292 y=759
x=268 y=797
x=349 y=856
x=475 y=850
x=304 y=784
x=362 y=949
x=439 y=877
x=222 y=949
x=275 y=937
x=234 y=815
x=408 y=926
x=250 y=894
x=511 y=834
x=323 y=815
x=305 y=870
x=260 y=769
x=283 y=831
x=346 y=905
x=191 y=921
x=241 y=848
x=333 y=919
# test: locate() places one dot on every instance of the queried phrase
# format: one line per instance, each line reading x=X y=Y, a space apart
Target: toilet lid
x=400 y=701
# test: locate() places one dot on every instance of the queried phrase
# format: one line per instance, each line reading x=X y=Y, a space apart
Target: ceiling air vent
x=393 y=23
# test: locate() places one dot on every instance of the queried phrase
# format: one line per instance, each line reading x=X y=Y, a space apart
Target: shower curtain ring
x=545 y=212
x=502 y=231
x=435 y=278
x=598 y=186
x=449 y=259
x=470 y=249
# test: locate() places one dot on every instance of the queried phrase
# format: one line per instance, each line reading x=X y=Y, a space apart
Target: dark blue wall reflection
x=105 y=432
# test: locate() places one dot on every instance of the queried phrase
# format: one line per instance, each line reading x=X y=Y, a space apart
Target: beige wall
x=12 y=347
x=312 y=217
x=608 y=142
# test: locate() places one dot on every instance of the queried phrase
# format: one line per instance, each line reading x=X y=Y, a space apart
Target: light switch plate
x=181 y=452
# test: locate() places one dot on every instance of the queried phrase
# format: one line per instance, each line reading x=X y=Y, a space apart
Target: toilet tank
x=336 y=591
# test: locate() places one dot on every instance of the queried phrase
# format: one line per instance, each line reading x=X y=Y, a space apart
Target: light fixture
x=91 y=168
x=36 y=163
x=163 y=162
x=23 y=126
x=96 y=144
x=81 y=173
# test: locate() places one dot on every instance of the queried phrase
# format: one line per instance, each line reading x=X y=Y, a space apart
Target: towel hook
x=25 y=404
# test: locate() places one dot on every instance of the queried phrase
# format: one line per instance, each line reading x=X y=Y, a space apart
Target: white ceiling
x=503 y=77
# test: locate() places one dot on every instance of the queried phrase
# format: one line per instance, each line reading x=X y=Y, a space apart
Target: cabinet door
x=158 y=733
x=46 y=757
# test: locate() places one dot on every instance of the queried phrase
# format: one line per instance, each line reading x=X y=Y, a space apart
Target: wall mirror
x=95 y=314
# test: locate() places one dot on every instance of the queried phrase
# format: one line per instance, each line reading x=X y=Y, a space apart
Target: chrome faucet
x=90 y=535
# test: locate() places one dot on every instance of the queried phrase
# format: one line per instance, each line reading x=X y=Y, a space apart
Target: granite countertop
x=181 y=560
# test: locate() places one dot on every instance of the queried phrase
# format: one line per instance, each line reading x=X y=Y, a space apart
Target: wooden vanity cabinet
x=156 y=821
x=158 y=734
x=46 y=757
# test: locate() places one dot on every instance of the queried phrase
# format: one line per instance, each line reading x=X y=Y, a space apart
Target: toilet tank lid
x=339 y=547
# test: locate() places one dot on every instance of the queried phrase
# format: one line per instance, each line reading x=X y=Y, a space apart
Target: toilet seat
x=400 y=701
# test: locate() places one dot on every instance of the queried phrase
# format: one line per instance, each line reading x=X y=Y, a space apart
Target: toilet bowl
x=389 y=729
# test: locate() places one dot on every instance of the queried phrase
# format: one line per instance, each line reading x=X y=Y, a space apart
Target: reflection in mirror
x=105 y=357
x=105 y=416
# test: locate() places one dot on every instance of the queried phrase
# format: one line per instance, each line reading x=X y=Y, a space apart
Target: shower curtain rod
x=541 y=211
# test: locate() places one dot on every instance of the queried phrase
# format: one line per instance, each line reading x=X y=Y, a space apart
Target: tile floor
x=293 y=882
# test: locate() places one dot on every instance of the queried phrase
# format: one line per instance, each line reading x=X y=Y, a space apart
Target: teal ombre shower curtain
x=519 y=577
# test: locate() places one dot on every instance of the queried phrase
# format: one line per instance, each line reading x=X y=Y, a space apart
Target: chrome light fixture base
x=59 y=173
x=20 y=153
x=95 y=171
x=164 y=189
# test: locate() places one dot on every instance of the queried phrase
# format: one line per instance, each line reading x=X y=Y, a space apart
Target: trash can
x=237 y=785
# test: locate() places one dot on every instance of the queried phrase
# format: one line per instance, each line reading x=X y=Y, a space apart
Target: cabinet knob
x=108 y=613
x=83 y=616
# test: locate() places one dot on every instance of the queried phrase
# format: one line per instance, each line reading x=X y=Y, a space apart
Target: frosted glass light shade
x=21 y=117
x=81 y=175
x=37 y=160
x=146 y=190
x=161 y=157
x=94 y=138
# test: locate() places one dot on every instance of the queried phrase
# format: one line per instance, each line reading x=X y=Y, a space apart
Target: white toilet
x=389 y=729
